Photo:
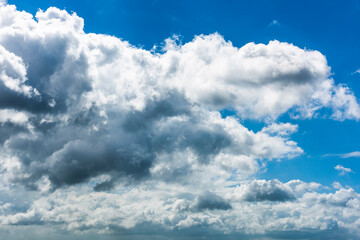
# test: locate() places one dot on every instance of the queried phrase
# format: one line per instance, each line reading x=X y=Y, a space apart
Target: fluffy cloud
x=256 y=80
x=342 y=170
x=107 y=135
x=209 y=200
x=97 y=105
x=281 y=129
x=261 y=190
x=171 y=208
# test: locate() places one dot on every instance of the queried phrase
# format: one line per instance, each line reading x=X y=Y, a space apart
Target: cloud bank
x=104 y=135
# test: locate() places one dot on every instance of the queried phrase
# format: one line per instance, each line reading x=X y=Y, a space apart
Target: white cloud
x=13 y=73
x=342 y=170
x=344 y=104
x=351 y=154
x=337 y=185
x=174 y=208
x=281 y=129
x=344 y=155
x=9 y=115
x=215 y=73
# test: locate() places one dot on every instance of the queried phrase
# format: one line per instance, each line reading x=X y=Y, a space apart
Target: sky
x=185 y=119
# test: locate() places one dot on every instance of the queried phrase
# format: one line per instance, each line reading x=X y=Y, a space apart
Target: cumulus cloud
x=171 y=208
x=261 y=190
x=281 y=129
x=239 y=77
x=342 y=170
x=98 y=105
x=108 y=135
x=345 y=105
x=211 y=201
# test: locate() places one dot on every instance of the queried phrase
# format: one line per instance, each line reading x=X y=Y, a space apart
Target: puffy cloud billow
x=98 y=134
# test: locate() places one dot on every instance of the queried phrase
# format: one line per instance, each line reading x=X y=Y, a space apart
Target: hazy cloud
x=344 y=155
x=274 y=23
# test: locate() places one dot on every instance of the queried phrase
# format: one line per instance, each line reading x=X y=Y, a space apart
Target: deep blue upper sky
x=331 y=27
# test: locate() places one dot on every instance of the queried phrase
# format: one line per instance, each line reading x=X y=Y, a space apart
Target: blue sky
x=89 y=99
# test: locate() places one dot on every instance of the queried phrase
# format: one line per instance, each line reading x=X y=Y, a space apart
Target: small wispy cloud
x=351 y=154
x=342 y=170
x=357 y=71
x=355 y=154
x=337 y=185
x=274 y=23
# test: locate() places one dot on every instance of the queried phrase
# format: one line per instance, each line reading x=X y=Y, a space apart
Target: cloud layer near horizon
x=93 y=126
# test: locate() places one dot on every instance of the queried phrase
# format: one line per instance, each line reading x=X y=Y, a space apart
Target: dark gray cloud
x=173 y=105
x=105 y=185
x=125 y=146
x=211 y=201
x=9 y=129
x=55 y=74
x=260 y=190
x=16 y=100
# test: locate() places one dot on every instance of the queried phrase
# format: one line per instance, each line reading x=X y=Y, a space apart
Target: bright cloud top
x=92 y=112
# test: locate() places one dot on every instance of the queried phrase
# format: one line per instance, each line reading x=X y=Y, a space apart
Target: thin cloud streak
x=355 y=154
